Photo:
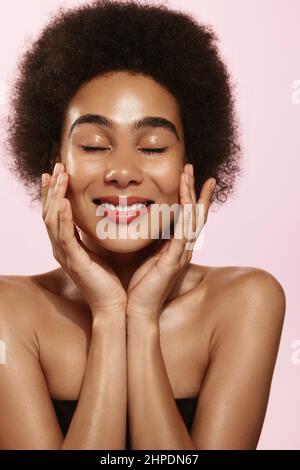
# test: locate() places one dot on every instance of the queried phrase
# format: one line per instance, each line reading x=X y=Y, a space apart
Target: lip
x=122 y=200
x=122 y=217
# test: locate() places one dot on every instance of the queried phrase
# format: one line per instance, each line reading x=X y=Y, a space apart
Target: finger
x=187 y=203
x=191 y=219
x=69 y=237
x=191 y=240
x=184 y=200
x=57 y=168
x=192 y=184
x=44 y=190
x=206 y=195
x=172 y=252
x=202 y=208
x=193 y=197
x=46 y=178
x=161 y=246
x=175 y=248
x=51 y=226
x=54 y=205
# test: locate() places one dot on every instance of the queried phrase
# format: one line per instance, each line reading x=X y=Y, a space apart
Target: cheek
x=79 y=165
x=82 y=172
x=167 y=177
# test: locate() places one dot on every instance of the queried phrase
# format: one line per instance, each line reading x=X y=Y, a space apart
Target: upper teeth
x=123 y=208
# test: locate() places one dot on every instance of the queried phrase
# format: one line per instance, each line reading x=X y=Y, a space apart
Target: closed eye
x=147 y=150
x=92 y=149
x=158 y=150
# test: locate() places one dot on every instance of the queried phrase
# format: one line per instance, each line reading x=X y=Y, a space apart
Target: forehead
x=123 y=97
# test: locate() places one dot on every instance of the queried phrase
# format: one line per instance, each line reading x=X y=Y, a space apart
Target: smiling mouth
x=121 y=208
x=122 y=214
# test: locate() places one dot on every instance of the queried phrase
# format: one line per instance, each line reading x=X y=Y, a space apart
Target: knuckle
x=56 y=190
x=48 y=220
x=71 y=266
x=55 y=254
x=62 y=238
x=182 y=262
x=172 y=267
x=64 y=241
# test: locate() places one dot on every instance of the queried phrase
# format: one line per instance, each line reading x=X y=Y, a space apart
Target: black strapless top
x=65 y=408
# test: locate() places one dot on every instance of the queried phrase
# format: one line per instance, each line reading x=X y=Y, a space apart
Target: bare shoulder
x=16 y=319
x=24 y=392
x=12 y=289
x=240 y=281
x=244 y=281
x=244 y=295
x=16 y=286
x=18 y=299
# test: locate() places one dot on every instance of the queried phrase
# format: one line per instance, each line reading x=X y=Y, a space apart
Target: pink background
x=259 y=225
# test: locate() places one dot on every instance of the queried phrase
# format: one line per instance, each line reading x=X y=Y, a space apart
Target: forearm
x=155 y=422
x=99 y=421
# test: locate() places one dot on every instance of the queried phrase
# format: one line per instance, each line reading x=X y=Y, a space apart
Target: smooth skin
x=212 y=331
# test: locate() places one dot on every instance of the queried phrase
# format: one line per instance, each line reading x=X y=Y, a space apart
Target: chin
x=119 y=240
x=125 y=245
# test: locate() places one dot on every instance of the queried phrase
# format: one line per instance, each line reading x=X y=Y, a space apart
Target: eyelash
x=94 y=149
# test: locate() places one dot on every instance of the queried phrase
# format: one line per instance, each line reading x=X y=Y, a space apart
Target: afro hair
x=104 y=36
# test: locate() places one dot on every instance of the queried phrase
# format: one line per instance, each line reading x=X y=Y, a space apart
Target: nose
x=122 y=170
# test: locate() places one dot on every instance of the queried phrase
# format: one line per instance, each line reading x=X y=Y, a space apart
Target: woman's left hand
x=153 y=280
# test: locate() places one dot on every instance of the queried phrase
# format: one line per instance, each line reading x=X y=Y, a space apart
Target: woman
x=128 y=343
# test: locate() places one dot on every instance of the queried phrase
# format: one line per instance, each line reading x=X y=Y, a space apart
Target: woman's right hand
x=96 y=280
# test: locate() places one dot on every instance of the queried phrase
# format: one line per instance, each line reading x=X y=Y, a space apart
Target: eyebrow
x=147 y=121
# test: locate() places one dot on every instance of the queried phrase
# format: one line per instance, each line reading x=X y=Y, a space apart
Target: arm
x=234 y=395
x=233 y=399
x=28 y=419
x=155 y=422
x=99 y=421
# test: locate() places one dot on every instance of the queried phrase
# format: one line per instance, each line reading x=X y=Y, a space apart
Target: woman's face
x=111 y=157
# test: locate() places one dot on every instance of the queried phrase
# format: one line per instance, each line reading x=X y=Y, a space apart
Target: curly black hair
x=105 y=36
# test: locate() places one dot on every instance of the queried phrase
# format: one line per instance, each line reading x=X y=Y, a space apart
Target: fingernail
x=191 y=169
x=56 y=169
x=44 y=179
x=187 y=178
x=213 y=184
